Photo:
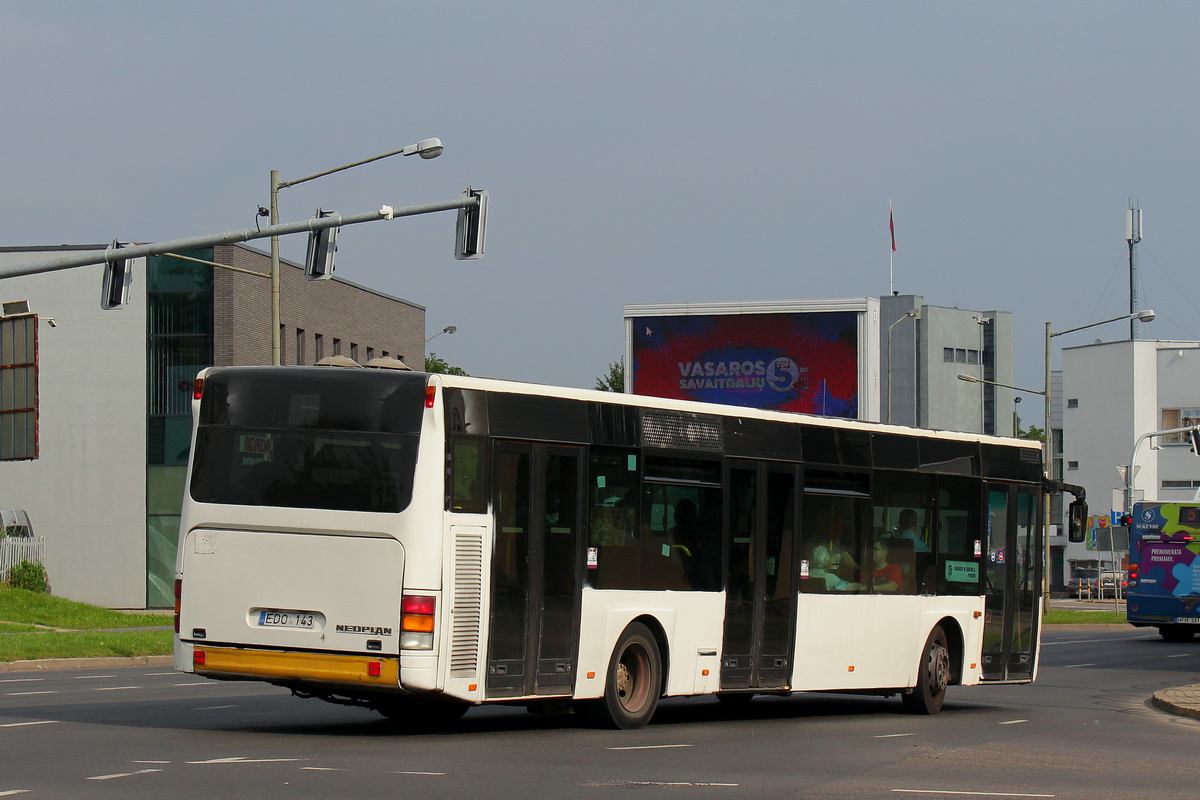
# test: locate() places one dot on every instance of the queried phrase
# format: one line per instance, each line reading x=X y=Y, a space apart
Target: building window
x=960 y=356
x=1072 y=465
x=337 y=347
x=370 y=353
x=299 y=347
x=1178 y=418
x=385 y=354
x=972 y=356
x=1181 y=484
x=1073 y=402
x=354 y=351
x=319 y=346
x=948 y=355
x=18 y=388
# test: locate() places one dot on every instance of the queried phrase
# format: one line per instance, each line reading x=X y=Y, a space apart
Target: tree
x=435 y=363
x=1032 y=432
x=614 y=381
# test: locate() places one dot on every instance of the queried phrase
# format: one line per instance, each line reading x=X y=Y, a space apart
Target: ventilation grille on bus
x=679 y=430
x=466 y=610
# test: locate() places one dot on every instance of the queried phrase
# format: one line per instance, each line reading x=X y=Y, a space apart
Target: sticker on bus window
x=599 y=481
x=804 y=568
x=593 y=557
x=254 y=448
x=633 y=463
x=962 y=571
x=978 y=547
x=666 y=551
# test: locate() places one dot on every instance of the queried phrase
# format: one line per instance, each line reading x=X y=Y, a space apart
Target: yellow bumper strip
x=298 y=665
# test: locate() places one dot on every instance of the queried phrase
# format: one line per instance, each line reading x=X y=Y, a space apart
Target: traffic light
x=471 y=232
x=117 y=275
x=322 y=244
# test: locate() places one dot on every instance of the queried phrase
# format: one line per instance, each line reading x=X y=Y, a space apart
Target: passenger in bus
x=906 y=528
x=884 y=577
x=820 y=563
x=701 y=559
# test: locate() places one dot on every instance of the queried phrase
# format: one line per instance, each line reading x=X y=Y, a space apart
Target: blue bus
x=1164 y=569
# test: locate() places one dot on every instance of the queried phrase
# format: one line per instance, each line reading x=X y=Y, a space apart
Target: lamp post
x=1047 y=438
x=915 y=314
x=448 y=329
x=426 y=148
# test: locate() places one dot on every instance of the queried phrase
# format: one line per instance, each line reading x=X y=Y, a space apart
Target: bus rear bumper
x=290 y=667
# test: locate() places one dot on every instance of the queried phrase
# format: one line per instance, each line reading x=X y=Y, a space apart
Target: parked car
x=1084 y=583
x=15 y=522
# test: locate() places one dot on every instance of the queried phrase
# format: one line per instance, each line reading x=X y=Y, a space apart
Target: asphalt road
x=1083 y=731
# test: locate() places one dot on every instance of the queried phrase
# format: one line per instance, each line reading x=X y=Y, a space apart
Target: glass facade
x=179 y=334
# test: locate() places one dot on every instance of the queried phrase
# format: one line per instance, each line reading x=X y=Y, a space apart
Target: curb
x=1184 y=701
x=103 y=662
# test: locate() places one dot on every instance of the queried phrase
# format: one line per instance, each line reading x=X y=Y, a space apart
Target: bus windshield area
x=306 y=438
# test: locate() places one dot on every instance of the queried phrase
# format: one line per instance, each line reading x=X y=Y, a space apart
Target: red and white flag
x=892 y=227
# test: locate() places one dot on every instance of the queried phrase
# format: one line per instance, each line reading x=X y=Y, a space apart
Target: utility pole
x=1133 y=235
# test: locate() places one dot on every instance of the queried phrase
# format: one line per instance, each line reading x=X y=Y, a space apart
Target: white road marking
x=1083 y=641
x=14 y=791
x=195 y=683
x=1180 y=655
x=22 y=724
x=654 y=783
x=26 y=694
x=113 y=688
x=90 y=677
x=893 y=735
x=651 y=747
x=149 y=762
x=972 y=794
x=241 y=760
x=1013 y=722
x=21 y=680
x=322 y=769
x=121 y=775
x=159 y=674
x=418 y=773
x=1073 y=666
x=213 y=708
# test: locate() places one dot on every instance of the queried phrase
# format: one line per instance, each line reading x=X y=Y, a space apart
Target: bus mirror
x=1077 y=514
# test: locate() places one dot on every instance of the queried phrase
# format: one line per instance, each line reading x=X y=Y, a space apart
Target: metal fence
x=14 y=551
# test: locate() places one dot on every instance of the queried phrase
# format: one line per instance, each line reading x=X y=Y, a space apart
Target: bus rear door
x=1012 y=583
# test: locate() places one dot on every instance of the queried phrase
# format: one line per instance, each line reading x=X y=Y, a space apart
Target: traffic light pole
x=231 y=237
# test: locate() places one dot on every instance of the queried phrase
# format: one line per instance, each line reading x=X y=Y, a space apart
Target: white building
x=1112 y=393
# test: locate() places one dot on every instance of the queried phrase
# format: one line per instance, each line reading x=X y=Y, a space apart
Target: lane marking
x=22 y=680
x=241 y=760
x=1013 y=722
x=893 y=735
x=1075 y=666
x=322 y=769
x=418 y=773
x=26 y=694
x=158 y=674
x=122 y=775
x=652 y=783
x=22 y=724
x=1180 y=655
x=113 y=688
x=90 y=677
x=650 y=747
x=212 y=708
x=149 y=762
x=195 y=683
x=972 y=794
x=14 y=791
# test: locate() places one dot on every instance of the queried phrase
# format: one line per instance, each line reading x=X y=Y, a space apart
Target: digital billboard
x=804 y=362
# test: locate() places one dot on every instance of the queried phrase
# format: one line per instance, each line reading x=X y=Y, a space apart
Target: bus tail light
x=416 y=621
x=430 y=395
x=197 y=388
x=178 y=597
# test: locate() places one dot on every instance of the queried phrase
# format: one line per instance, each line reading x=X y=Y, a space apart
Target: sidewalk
x=103 y=662
x=1182 y=700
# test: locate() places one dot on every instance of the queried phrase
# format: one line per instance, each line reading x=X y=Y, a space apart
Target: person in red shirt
x=885 y=577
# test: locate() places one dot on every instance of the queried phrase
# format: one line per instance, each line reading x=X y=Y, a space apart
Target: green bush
x=29 y=575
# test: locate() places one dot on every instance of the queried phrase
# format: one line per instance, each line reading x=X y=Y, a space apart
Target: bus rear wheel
x=633 y=683
x=933 y=676
x=1177 y=634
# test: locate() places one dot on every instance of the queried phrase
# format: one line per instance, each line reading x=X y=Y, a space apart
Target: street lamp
x=1047 y=437
x=915 y=314
x=448 y=329
x=426 y=148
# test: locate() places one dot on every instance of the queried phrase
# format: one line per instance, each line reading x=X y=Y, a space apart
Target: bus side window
x=613 y=496
x=468 y=474
x=960 y=536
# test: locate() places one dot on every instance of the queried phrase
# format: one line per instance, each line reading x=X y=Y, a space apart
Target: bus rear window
x=308 y=438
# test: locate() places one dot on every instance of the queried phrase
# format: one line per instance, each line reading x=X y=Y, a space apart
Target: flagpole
x=891 y=252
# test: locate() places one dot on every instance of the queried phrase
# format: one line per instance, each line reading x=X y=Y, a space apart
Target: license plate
x=1188 y=620
x=268 y=618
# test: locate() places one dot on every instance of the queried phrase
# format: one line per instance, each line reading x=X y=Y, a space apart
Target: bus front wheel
x=933 y=676
x=633 y=683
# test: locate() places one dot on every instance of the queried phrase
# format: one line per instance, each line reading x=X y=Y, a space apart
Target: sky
x=635 y=152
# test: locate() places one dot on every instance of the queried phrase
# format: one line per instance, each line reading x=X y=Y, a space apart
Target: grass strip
x=85 y=644
x=7 y=627
x=21 y=605
x=1067 y=617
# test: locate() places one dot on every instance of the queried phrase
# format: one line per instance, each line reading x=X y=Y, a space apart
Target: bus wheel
x=1176 y=633
x=933 y=676
x=634 y=681
x=419 y=714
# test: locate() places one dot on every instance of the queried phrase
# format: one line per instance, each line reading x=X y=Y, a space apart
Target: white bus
x=419 y=544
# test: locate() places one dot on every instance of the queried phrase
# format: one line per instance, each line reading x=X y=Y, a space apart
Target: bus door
x=1012 y=587
x=535 y=570
x=759 y=598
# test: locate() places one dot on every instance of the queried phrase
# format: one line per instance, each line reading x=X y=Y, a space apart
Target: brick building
x=104 y=445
